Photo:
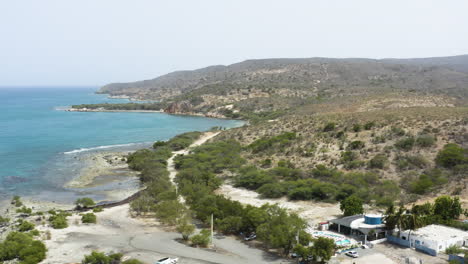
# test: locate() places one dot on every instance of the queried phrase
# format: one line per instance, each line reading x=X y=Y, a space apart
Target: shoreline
x=100 y=110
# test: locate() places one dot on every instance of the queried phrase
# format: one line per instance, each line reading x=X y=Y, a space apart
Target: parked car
x=168 y=261
x=250 y=237
x=352 y=254
x=364 y=246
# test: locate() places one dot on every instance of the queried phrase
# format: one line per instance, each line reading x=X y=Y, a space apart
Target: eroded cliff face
x=182 y=107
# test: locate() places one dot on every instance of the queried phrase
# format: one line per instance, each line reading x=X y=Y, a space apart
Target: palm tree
x=412 y=222
x=394 y=218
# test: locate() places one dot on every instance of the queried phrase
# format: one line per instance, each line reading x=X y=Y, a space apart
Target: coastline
x=101 y=110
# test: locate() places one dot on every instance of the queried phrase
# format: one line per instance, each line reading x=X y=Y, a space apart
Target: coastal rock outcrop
x=179 y=107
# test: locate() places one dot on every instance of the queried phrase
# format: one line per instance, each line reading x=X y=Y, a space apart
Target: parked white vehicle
x=352 y=254
x=168 y=261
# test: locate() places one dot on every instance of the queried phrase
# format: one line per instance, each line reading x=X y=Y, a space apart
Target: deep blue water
x=38 y=142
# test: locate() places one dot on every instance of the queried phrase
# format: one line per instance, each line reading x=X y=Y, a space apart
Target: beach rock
x=14 y=179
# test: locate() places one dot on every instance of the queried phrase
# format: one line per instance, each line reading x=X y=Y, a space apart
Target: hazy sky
x=94 y=42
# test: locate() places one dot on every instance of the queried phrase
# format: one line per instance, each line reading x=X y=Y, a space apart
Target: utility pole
x=212 y=230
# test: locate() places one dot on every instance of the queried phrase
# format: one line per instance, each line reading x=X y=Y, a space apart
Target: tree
x=447 y=208
x=281 y=229
x=230 y=224
x=394 y=218
x=84 y=202
x=185 y=228
x=168 y=212
x=450 y=156
x=351 y=206
x=412 y=222
x=323 y=249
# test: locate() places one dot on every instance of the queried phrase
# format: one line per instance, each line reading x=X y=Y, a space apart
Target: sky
x=95 y=42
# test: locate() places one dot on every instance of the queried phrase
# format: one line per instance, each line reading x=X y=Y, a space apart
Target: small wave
x=102 y=147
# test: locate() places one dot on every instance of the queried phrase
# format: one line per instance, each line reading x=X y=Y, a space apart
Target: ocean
x=40 y=145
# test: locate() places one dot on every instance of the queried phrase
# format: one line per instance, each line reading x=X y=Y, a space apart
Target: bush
x=202 y=239
x=357 y=127
x=17 y=201
x=59 y=221
x=379 y=161
x=88 y=218
x=265 y=143
x=329 y=127
x=97 y=209
x=21 y=246
x=132 y=261
x=451 y=155
x=101 y=258
x=24 y=210
x=369 y=125
x=25 y=226
x=4 y=220
x=159 y=144
x=272 y=190
x=411 y=162
x=405 y=144
x=183 y=141
x=84 y=202
x=425 y=141
x=356 y=145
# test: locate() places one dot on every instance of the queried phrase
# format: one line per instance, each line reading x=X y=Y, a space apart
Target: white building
x=435 y=237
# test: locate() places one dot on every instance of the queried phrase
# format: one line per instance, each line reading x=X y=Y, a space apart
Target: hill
x=374 y=127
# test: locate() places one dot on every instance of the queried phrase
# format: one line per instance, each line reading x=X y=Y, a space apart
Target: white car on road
x=168 y=261
x=352 y=254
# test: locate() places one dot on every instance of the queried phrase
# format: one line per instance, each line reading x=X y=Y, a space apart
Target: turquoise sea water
x=39 y=144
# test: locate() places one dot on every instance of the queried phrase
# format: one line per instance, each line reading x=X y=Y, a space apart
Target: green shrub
x=183 y=141
x=21 y=246
x=265 y=143
x=101 y=258
x=4 y=220
x=16 y=201
x=379 y=161
x=272 y=190
x=451 y=155
x=405 y=144
x=24 y=210
x=411 y=162
x=356 y=145
x=85 y=202
x=357 y=127
x=159 y=144
x=425 y=141
x=97 y=209
x=58 y=221
x=369 y=125
x=202 y=239
x=88 y=218
x=25 y=226
x=132 y=261
x=398 y=131
x=329 y=127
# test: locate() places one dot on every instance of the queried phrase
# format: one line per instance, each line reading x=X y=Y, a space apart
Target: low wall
x=398 y=241
x=458 y=258
x=406 y=243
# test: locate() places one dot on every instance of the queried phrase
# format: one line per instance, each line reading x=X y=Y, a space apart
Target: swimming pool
x=343 y=242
